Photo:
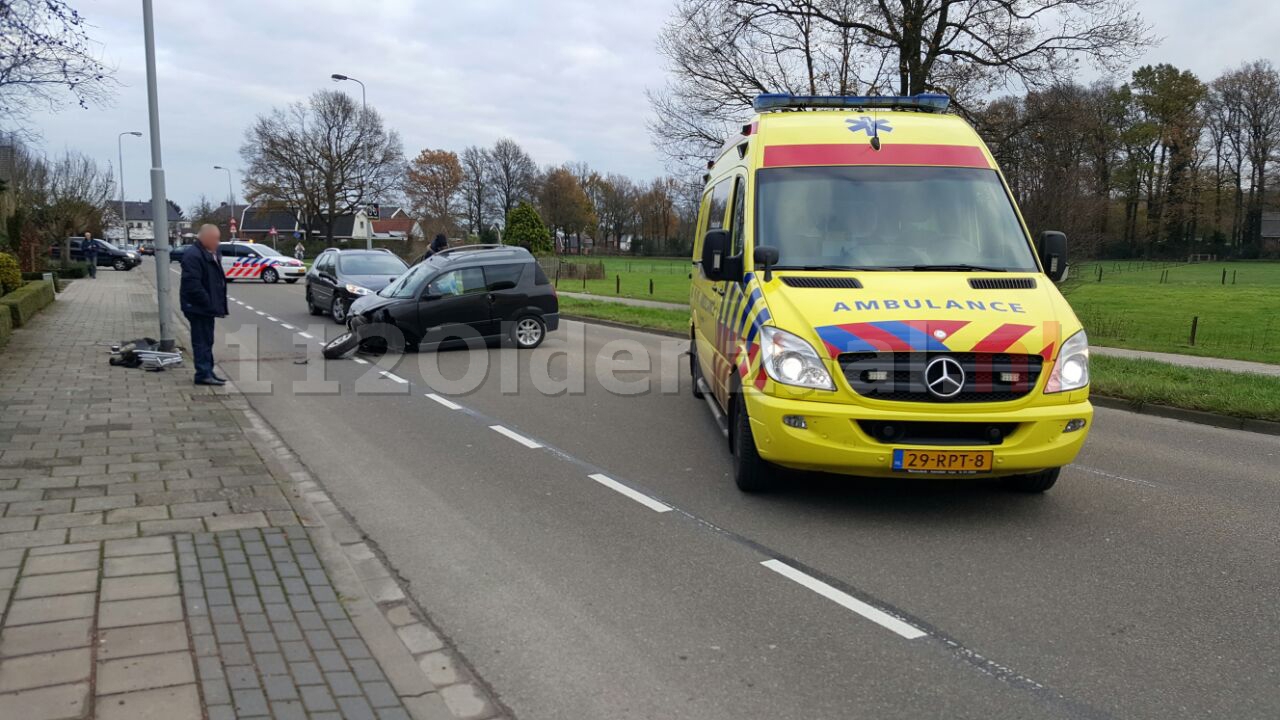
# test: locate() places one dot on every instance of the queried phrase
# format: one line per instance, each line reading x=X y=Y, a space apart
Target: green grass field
x=670 y=278
x=1133 y=309
x=1129 y=308
x=1226 y=393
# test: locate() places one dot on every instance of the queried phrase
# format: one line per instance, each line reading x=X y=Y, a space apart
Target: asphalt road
x=1145 y=585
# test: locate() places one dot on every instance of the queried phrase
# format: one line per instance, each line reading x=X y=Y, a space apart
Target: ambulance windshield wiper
x=861 y=268
x=951 y=268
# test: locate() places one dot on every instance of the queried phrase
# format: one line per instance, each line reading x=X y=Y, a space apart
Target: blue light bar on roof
x=784 y=101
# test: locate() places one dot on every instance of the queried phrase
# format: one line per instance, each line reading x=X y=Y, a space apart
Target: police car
x=867 y=300
x=251 y=261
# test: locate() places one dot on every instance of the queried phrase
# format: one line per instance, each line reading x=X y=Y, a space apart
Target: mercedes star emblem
x=944 y=377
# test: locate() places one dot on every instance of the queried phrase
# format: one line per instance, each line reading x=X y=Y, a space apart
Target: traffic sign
x=273 y=231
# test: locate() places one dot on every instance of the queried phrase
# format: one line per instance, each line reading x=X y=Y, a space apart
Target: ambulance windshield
x=889 y=217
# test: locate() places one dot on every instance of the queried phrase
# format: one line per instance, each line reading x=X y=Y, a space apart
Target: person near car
x=90 y=249
x=203 y=294
x=299 y=251
x=439 y=243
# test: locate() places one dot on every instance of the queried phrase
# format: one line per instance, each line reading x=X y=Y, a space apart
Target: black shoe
x=216 y=382
x=219 y=379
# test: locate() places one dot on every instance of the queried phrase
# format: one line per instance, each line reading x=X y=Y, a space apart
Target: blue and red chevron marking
x=888 y=336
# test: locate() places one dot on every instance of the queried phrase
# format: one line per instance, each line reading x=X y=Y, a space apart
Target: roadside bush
x=526 y=229
x=22 y=304
x=72 y=271
x=10 y=274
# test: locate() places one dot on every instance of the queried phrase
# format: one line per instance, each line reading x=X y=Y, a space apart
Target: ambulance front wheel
x=695 y=372
x=751 y=473
x=1034 y=483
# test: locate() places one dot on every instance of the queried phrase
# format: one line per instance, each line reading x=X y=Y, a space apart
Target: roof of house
x=1271 y=224
x=139 y=210
x=255 y=219
x=401 y=224
x=387 y=212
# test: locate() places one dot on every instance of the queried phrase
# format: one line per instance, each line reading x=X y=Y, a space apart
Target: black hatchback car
x=489 y=291
x=108 y=255
x=338 y=277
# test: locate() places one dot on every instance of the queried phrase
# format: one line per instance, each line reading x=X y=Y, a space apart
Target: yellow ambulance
x=867 y=300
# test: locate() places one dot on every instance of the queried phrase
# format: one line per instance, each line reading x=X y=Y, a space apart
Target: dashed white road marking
x=844 y=599
x=515 y=436
x=444 y=401
x=362 y=362
x=393 y=377
x=307 y=336
x=639 y=497
x=260 y=312
x=1113 y=476
x=287 y=326
x=248 y=307
x=272 y=319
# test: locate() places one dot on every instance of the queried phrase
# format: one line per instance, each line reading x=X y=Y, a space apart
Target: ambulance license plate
x=943 y=461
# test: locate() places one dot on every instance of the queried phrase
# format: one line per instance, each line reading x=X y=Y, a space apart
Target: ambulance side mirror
x=1053 y=254
x=766 y=257
x=715 y=255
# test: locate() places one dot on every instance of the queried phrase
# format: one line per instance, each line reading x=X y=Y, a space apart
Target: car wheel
x=338 y=312
x=1033 y=483
x=528 y=332
x=695 y=370
x=341 y=346
x=120 y=264
x=311 y=306
x=270 y=276
x=291 y=280
x=751 y=473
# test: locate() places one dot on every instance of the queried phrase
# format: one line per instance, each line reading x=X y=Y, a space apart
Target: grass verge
x=1240 y=395
x=640 y=317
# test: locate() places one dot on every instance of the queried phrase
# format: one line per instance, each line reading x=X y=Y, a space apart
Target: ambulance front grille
x=828 y=283
x=988 y=377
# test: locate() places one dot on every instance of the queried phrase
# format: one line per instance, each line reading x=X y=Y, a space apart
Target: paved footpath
x=163 y=555
x=1194 y=361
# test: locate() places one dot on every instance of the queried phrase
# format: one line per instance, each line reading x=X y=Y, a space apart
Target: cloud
x=565 y=78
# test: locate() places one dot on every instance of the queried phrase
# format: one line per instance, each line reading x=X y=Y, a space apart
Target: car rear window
x=371 y=264
x=495 y=274
x=540 y=277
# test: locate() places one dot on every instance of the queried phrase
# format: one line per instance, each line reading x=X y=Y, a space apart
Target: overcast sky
x=565 y=78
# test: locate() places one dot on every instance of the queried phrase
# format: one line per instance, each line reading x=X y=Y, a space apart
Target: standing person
x=90 y=250
x=299 y=251
x=439 y=243
x=203 y=294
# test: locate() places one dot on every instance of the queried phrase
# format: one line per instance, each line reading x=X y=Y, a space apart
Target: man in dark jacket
x=90 y=250
x=439 y=243
x=203 y=295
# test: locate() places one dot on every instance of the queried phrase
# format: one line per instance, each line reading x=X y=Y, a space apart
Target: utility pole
x=364 y=109
x=124 y=220
x=231 y=198
x=159 y=202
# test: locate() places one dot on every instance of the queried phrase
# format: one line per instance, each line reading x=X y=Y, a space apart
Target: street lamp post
x=364 y=108
x=159 y=202
x=231 y=198
x=124 y=221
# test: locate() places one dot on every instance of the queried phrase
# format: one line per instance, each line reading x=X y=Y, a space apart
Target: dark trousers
x=202 y=345
x=93 y=269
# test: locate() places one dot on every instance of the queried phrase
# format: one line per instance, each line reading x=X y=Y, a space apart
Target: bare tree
x=321 y=159
x=1253 y=91
x=513 y=175
x=476 y=187
x=721 y=53
x=46 y=55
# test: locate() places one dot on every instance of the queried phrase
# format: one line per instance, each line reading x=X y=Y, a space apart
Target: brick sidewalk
x=153 y=564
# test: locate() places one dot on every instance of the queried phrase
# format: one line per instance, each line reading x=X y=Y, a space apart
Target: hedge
x=6 y=327
x=22 y=304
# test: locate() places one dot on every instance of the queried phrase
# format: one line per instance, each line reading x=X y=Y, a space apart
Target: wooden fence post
x=650 y=286
x=617 y=285
x=1195 y=323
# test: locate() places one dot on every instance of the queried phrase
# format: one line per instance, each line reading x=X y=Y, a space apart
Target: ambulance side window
x=711 y=216
x=736 y=228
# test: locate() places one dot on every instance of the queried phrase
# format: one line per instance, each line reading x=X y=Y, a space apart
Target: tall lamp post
x=231 y=198
x=124 y=221
x=364 y=108
x=159 y=202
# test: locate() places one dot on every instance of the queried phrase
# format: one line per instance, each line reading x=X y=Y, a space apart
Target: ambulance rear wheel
x=751 y=473
x=270 y=276
x=1034 y=483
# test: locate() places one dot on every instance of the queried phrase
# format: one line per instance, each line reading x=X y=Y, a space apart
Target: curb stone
x=387 y=618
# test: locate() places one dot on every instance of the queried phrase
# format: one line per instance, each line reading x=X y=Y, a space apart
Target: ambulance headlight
x=1071 y=371
x=792 y=361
